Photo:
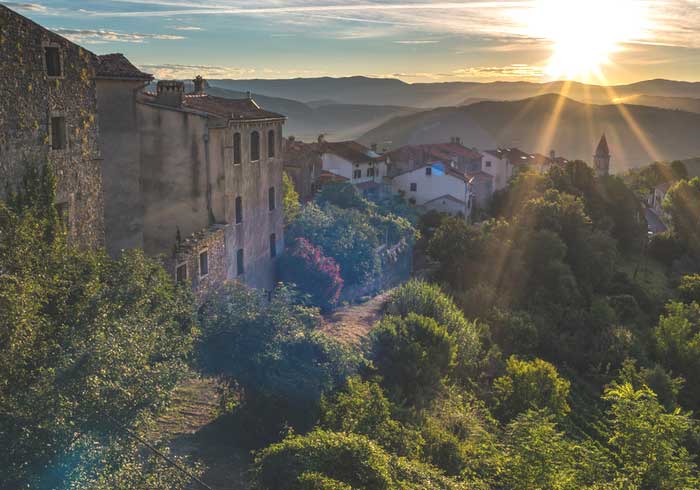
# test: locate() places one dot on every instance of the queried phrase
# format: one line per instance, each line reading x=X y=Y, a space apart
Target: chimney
x=170 y=93
x=292 y=138
x=199 y=85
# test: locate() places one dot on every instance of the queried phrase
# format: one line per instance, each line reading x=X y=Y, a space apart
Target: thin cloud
x=519 y=71
x=33 y=7
x=187 y=28
x=416 y=41
x=101 y=36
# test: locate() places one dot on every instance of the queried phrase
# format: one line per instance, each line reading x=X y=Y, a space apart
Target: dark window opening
x=414 y=187
x=239 y=262
x=58 y=133
x=203 y=264
x=273 y=245
x=271 y=143
x=239 y=209
x=271 y=198
x=53 y=61
x=428 y=170
x=181 y=273
x=63 y=214
x=236 y=148
x=488 y=164
x=357 y=174
x=370 y=172
x=255 y=146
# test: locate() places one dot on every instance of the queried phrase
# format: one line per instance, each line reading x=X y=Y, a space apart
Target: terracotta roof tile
x=245 y=109
x=351 y=151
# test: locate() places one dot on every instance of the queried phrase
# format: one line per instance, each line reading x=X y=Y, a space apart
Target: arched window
x=271 y=143
x=254 y=146
x=236 y=148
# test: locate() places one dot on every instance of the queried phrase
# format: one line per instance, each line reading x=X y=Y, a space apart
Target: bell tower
x=601 y=158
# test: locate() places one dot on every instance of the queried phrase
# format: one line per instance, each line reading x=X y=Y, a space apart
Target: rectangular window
x=239 y=210
x=273 y=245
x=254 y=146
x=271 y=198
x=58 y=133
x=370 y=172
x=271 y=143
x=414 y=187
x=52 y=55
x=488 y=163
x=240 y=269
x=357 y=174
x=181 y=273
x=428 y=170
x=236 y=148
x=203 y=263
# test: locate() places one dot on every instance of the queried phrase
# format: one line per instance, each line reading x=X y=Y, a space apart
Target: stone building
x=48 y=114
x=303 y=164
x=194 y=161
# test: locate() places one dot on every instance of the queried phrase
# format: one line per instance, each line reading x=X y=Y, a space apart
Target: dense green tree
x=88 y=345
x=345 y=196
x=649 y=440
x=273 y=353
x=683 y=206
x=292 y=207
x=530 y=385
x=413 y=355
x=457 y=247
x=689 y=288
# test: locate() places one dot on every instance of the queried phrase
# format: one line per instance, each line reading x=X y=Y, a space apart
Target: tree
x=531 y=385
x=88 y=345
x=649 y=440
x=271 y=351
x=689 y=288
x=315 y=274
x=345 y=196
x=683 y=206
x=292 y=207
x=413 y=355
x=457 y=247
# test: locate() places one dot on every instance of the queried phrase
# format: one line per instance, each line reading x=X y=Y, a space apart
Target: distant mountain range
x=637 y=134
x=393 y=92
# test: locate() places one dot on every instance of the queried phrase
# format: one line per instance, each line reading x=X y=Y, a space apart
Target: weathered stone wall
x=211 y=240
x=29 y=98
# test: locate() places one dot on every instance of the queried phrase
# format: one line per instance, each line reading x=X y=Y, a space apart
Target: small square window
x=53 y=61
x=488 y=164
x=181 y=273
x=58 y=133
x=428 y=170
x=414 y=187
x=203 y=263
x=240 y=266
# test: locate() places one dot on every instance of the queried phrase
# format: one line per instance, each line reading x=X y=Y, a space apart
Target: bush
x=666 y=247
x=690 y=288
x=530 y=385
x=311 y=271
x=413 y=355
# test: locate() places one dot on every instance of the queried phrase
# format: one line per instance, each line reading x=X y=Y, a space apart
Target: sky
x=601 y=41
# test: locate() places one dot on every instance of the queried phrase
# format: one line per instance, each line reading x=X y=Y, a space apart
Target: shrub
x=311 y=271
x=690 y=288
x=413 y=355
x=530 y=385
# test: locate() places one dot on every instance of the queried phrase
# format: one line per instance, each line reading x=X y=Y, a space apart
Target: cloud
x=519 y=71
x=100 y=36
x=187 y=28
x=182 y=71
x=34 y=7
x=417 y=41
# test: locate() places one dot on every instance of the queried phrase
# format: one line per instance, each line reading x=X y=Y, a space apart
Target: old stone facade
x=48 y=115
x=201 y=161
x=303 y=164
x=200 y=261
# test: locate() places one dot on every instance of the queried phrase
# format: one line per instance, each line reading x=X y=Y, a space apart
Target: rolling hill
x=668 y=134
x=389 y=91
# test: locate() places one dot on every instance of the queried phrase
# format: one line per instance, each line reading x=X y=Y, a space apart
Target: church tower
x=601 y=158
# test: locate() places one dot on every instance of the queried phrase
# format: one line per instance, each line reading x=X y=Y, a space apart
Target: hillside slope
x=667 y=134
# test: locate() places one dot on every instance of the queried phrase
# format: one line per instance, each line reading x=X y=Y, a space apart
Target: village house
x=434 y=186
x=48 y=114
x=303 y=164
x=503 y=164
x=350 y=161
x=203 y=178
x=657 y=196
x=454 y=154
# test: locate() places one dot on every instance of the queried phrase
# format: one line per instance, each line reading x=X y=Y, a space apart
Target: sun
x=584 y=34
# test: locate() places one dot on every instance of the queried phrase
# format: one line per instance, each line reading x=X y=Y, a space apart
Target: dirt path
x=351 y=324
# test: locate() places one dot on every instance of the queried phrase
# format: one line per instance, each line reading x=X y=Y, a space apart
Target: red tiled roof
x=513 y=155
x=116 y=66
x=351 y=151
x=327 y=177
x=438 y=151
x=479 y=175
x=245 y=109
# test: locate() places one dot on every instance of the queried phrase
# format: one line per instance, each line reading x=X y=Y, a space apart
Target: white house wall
x=344 y=168
x=429 y=187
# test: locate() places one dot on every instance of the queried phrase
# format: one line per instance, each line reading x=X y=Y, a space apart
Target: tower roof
x=603 y=149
